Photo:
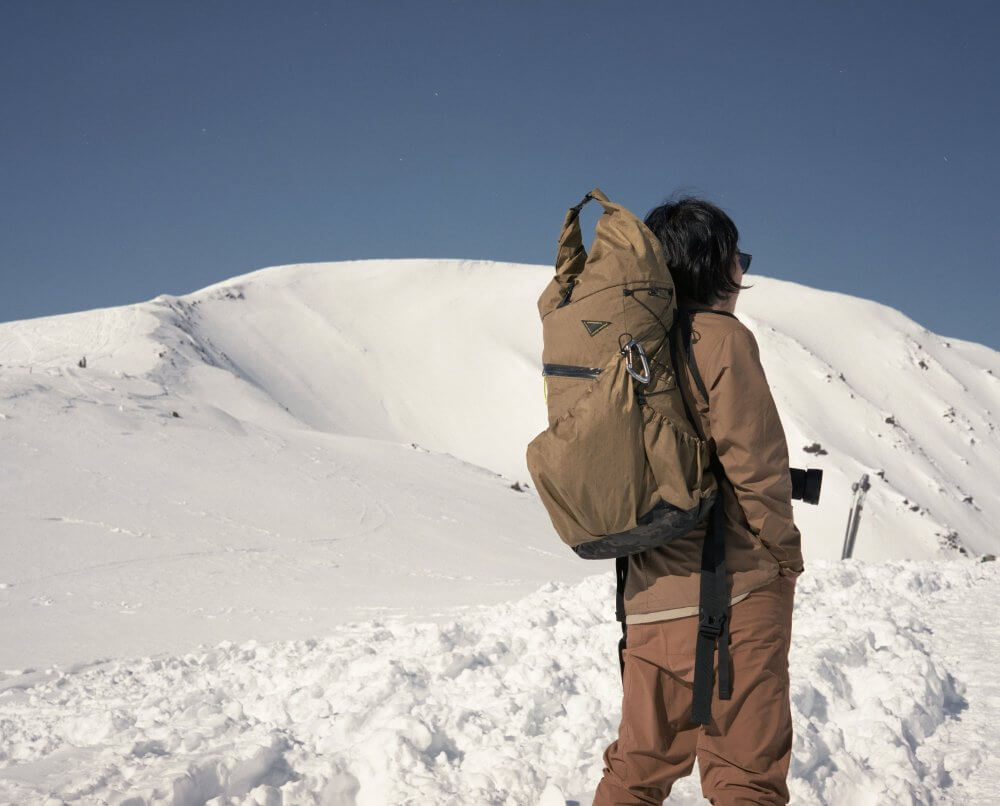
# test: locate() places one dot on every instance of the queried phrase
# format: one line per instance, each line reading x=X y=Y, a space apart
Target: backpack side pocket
x=589 y=466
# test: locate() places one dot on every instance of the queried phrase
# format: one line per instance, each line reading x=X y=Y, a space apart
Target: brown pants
x=744 y=753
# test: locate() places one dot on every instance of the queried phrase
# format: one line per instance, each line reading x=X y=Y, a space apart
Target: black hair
x=700 y=241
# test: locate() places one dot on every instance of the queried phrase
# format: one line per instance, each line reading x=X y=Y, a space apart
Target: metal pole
x=854 y=517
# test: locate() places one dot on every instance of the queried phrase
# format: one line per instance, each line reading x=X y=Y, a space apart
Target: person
x=744 y=752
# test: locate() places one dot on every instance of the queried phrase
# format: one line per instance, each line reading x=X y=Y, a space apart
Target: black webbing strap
x=713 y=605
x=713 y=617
x=685 y=315
x=621 y=571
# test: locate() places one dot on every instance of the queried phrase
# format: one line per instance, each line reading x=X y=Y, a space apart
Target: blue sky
x=158 y=147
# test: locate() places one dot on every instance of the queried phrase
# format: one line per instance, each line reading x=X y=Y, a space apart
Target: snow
x=513 y=704
x=275 y=542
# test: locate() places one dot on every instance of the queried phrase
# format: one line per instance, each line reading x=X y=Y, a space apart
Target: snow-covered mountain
x=304 y=446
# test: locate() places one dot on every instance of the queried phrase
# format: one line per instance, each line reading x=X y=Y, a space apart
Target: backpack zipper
x=654 y=291
x=570 y=370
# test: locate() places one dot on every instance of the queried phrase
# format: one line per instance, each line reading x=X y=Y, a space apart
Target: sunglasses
x=745 y=261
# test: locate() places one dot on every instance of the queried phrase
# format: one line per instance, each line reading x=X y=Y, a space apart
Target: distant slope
x=125 y=528
x=265 y=507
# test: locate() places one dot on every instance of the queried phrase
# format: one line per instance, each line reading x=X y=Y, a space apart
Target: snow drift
x=513 y=704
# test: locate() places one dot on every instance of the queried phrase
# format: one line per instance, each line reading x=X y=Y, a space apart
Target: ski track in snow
x=893 y=694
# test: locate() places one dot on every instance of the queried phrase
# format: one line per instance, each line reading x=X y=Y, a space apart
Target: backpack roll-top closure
x=624 y=249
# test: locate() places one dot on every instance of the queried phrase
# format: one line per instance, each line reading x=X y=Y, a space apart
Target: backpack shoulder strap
x=686 y=320
x=713 y=605
x=682 y=324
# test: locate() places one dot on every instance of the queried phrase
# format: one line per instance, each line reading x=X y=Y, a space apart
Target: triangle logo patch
x=594 y=325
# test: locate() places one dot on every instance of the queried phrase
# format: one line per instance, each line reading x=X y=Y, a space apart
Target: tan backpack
x=620 y=467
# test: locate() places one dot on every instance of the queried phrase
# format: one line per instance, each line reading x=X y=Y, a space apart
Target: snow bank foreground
x=514 y=704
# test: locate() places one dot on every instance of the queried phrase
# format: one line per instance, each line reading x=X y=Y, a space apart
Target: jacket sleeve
x=750 y=443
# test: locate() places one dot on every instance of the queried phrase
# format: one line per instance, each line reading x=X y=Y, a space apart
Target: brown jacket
x=742 y=425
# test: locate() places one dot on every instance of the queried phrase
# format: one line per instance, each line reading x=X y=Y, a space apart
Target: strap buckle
x=711 y=626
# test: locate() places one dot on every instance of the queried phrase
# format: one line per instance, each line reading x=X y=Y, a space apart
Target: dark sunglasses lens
x=745 y=261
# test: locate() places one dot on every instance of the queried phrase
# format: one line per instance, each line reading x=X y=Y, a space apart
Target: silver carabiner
x=627 y=352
